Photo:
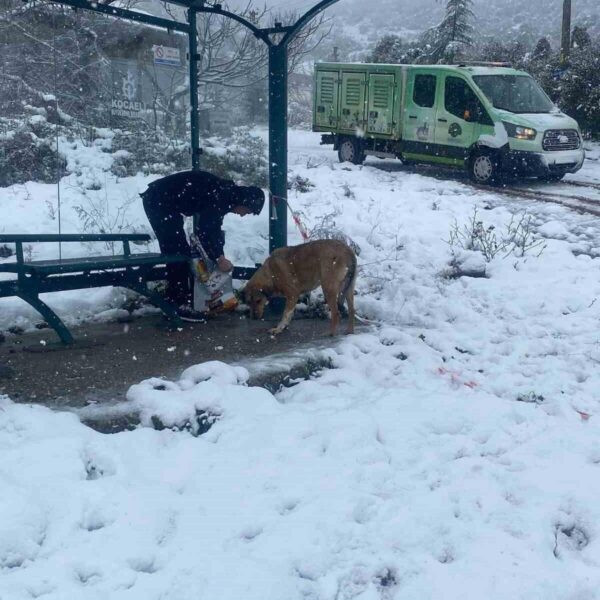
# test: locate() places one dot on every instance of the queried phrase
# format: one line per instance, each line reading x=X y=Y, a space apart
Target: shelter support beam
x=278 y=145
x=194 y=114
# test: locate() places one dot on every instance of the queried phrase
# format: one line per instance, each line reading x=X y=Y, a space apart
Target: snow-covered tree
x=580 y=37
x=389 y=49
x=455 y=32
x=392 y=49
x=542 y=49
x=577 y=90
x=499 y=51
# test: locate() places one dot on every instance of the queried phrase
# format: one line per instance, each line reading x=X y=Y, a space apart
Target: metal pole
x=566 y=32
x=278 y=149
x=194 y=115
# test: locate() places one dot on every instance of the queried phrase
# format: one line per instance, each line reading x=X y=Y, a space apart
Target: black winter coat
x=196 y=193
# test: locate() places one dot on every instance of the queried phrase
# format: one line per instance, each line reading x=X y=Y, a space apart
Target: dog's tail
x=349 y=281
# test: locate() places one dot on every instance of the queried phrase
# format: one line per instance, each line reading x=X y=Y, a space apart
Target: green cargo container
x=488 y=119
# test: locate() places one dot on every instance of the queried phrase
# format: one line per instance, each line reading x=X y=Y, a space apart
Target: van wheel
x=351 y=150
x=484 y=167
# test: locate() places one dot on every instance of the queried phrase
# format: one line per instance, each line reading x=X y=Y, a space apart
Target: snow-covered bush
x=517 y=239
x=300 y=184
x=242 y=157
x=26 y=157
x=98 y=216
x=145 y=151
x=300 y=112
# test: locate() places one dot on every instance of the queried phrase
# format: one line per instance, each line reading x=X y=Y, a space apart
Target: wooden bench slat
x=119 y=258
x=91 y=263
x=74 y=237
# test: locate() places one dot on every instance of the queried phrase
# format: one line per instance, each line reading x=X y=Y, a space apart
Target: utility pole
x=565 y=46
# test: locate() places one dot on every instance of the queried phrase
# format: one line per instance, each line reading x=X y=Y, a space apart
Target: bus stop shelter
x=277 y=39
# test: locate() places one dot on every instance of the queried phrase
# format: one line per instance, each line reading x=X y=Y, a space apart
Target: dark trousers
x=168 y=227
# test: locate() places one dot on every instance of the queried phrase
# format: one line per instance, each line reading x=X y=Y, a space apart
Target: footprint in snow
x=569 y=538
x=251 y=533
x=87 y=575
x=143 y=565
x=288 y=506
x=445 y=556
x=94 y=521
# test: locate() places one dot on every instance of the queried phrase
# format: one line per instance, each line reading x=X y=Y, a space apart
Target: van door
x=352 y=105
x=420 y=111
x=380 y=110
x=326 y=104
x=459 y=117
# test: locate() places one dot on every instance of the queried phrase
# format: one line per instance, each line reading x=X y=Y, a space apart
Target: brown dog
x=296 y=270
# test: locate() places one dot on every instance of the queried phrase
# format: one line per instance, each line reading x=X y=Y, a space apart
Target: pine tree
x=454 y=32
x=392 y=49
x=542 y=49
x=389 y=49
x=580 y=37
x=580 y=87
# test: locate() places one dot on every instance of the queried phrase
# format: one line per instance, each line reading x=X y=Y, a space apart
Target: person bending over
x=209 y=198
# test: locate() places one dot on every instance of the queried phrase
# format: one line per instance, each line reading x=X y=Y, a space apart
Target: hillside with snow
x=357 y=24
x=502 y=19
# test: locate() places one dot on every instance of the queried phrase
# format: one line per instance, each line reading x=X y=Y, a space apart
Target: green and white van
x=489 y=119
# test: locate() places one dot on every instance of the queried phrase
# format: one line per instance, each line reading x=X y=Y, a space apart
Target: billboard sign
x=127 y=103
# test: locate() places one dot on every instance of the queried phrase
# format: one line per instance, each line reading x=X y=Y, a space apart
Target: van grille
x=561 y=139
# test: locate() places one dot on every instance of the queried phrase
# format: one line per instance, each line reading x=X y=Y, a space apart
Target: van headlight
x=518 y=132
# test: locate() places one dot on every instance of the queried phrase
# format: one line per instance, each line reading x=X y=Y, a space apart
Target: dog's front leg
x=288 y=313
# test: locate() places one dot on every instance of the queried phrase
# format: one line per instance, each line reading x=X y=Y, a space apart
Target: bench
x=132 y=271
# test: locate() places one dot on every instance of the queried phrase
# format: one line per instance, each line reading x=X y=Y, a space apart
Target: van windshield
x=514 y=93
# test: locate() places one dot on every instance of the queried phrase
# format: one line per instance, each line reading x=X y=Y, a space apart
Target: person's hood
x=251 y=197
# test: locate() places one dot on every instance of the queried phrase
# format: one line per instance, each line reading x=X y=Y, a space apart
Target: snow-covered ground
x=453 y=451
x=590 y=172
